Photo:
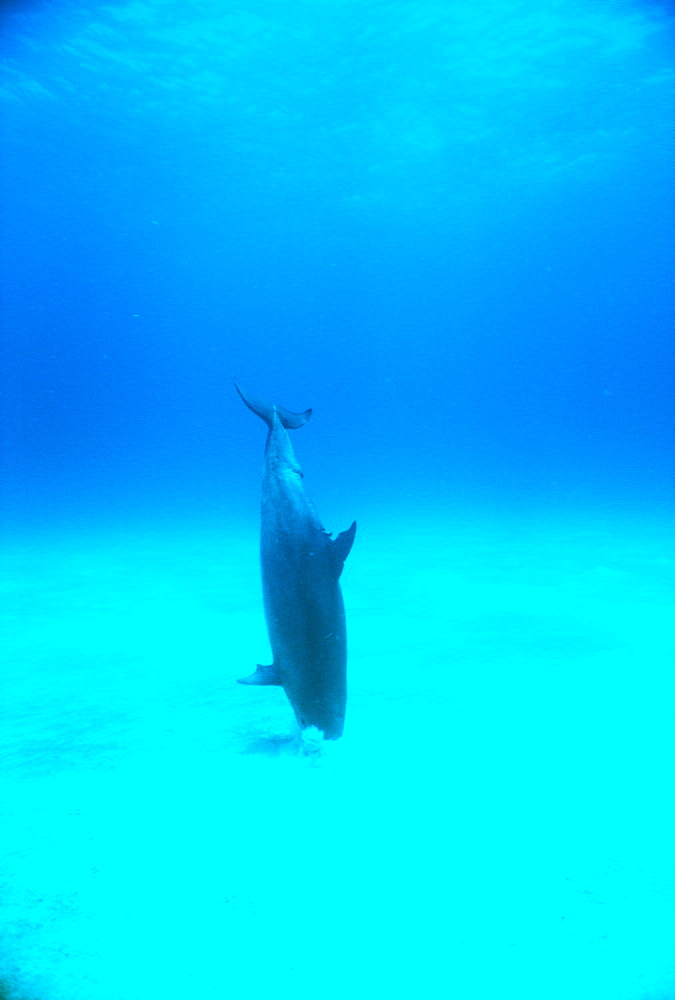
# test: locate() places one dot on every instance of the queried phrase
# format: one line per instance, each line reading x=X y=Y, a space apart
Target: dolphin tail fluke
x=291 y=421
x=262 y=675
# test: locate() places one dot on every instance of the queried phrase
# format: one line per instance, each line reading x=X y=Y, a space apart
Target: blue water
x=447 y=228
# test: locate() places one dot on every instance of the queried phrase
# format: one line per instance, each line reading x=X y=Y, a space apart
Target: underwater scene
x=446 y=229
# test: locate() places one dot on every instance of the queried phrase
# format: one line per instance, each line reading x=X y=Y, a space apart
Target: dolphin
x=301 y=566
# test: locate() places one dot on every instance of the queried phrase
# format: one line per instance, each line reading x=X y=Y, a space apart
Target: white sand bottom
x=496 y=822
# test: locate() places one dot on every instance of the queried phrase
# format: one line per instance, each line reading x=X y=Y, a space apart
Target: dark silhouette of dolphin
x=301 y=566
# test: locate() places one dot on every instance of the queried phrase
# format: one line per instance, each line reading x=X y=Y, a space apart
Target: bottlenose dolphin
x=301 y=566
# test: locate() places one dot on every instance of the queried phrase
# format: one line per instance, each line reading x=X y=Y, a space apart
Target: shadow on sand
x=270 y=746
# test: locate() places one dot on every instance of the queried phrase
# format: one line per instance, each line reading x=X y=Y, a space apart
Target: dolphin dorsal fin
x=341 y=546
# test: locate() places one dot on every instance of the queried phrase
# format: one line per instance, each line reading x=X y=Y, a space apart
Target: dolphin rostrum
x=301 y=566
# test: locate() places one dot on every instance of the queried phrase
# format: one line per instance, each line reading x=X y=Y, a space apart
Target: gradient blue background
x=445 y=226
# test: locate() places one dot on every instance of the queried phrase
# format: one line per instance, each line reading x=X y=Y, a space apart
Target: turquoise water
x=446 y=228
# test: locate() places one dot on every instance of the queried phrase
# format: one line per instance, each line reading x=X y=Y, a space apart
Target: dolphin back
x=291 y=421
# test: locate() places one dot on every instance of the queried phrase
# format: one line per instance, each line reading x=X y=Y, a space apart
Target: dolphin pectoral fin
x=262 y=675
x=341 y=546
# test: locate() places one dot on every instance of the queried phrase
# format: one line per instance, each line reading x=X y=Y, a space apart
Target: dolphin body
x=301 y=566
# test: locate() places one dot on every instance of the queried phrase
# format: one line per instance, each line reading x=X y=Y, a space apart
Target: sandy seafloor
x=496 y=822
